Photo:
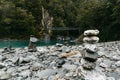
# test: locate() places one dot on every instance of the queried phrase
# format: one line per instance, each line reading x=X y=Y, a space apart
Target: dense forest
x=21 y=18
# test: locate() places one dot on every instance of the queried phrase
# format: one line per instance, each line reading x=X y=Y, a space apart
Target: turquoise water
x=16 y=44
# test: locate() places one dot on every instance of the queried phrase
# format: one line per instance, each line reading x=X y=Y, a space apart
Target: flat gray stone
x=46 y=73
x=117 y=63
x=4 y=75
x=106 y=63
x=66 y=49
x=70 y=66
x=114 y=75
x=115 y=57
x=51 y=78
x=93 y=75
x=25 y=73
x=110 y=78
x=1 y=57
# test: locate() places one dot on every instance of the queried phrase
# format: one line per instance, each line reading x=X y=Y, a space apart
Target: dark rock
x=60 y=62
x=51 y=78
x=90 y=51
x=88 y=65
x=2 y=65
x=90 y=57
x=60 y=50
x=17 y=62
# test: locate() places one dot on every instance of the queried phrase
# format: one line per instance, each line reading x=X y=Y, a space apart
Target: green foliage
x=15 y=21
x=20 y=18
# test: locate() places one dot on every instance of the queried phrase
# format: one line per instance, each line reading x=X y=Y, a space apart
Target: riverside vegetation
x=21 y=18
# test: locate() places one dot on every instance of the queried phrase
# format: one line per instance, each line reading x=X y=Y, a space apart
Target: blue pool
x=23 y=43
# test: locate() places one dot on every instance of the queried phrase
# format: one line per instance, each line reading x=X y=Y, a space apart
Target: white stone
x=92 y=39
x=45 y=73
x=11 y=70
x=78 y=55
x=23 y=68
x=4 y=75
x=91 y=47
x=101 y=53
x=110 y=78
x=25 y=73
x=106 y=63
x=59 y=45
x=93 y=75
x=32 y=57
x=117 y=63
x=116 y=57
x=91 y=32
x=43 y=50
x=69 y=66
x=33 y=39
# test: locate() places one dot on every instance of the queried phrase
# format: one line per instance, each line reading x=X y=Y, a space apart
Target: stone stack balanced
x=32 y=44
x=90 y=49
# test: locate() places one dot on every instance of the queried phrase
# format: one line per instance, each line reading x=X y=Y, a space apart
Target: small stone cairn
x=8 y=49
x=90 y=49
x=32 y=44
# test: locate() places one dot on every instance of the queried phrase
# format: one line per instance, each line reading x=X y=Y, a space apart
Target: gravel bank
x=48 y=63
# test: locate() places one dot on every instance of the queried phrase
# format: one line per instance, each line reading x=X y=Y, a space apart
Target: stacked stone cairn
x=90 y=49
x=8 y=49
x=32 y=44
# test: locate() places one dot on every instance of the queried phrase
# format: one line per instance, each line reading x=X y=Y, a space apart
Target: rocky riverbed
x=60 y=62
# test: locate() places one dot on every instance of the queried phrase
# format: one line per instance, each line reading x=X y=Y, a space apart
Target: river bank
x=48 y=64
